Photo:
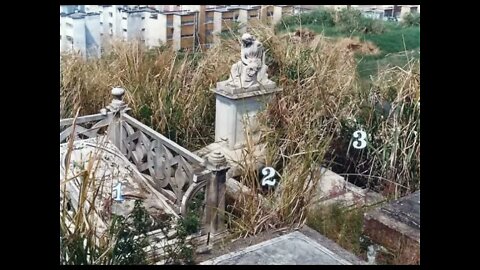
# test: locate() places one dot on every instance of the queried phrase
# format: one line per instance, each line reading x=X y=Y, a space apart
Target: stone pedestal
x=236 y=110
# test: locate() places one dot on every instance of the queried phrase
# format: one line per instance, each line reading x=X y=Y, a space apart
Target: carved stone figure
x=251 y=69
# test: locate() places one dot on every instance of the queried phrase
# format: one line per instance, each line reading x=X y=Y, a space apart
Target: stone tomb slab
x=291 y=249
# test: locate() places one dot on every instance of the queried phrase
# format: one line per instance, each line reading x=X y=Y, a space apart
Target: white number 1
x=360 y=141
x=118 y=188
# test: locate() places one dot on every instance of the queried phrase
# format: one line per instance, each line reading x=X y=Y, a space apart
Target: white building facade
x=79 y=33
x=88 y=29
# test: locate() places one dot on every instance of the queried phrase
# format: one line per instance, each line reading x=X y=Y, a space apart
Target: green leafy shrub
x=411 y=19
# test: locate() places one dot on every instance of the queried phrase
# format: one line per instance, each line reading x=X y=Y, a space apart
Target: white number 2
x=268 y=173
x=360 y=141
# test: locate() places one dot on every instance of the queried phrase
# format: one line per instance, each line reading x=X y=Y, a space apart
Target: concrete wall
x=177 y=32
x=92 y=35
x=217 y=22
x=243 y=19
x=92 y=8
x=63 y=43
x=155 y=30
x=79 y=42
x=277 y=14
x=134 y=26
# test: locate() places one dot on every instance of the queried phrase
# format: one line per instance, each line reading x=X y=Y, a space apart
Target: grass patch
x=341 y=225
x=389 y=37
x=396 y=39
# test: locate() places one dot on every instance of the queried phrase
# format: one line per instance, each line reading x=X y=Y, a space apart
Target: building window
x=69 y=38
x=69 y=24
x=124 y=18
x=124 y=30
x=185 y=36
x=110 y=24
x=187 y=22
x=253 y=16
x=111 y=14
x=101 y=23
x=169 y=36
x=208 y=32
x=143 y=29
x=154 y=16
x=143 y=18
x=270 y=13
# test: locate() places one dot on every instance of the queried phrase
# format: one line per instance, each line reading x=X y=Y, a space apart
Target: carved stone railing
x=85 y=126
x=170 y=169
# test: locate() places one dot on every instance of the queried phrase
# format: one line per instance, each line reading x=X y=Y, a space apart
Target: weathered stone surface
x=396 y=226
x=234 y=157
x=333 y=188
x=109 y=167
x=291 y=249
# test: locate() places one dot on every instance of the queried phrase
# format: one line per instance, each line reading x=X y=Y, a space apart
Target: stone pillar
x=236 y=111
x=118 y=107
x=215 y=193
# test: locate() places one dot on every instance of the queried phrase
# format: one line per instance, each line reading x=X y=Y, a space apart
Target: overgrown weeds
x=308 y=125
x=91 y=236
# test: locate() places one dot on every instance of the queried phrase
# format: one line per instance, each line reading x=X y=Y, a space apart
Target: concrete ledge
x=290 y=249
x=396 y=227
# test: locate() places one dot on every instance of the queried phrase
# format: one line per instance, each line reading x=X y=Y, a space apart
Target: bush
x=411 y=19
x=317 y=17
x=352 y=20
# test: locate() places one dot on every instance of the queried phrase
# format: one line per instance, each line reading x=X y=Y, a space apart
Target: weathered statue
x=250 y=70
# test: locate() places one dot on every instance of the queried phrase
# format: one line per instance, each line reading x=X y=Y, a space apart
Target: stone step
x=303 y=247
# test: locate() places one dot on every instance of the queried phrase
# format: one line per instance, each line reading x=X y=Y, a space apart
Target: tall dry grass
x=307 y=125
x=167 y=90
x=319 y=83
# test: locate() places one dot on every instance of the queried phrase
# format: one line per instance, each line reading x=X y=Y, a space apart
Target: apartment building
x=79 y=32
x=388 y=11
x=182 y=26
x=184 y=30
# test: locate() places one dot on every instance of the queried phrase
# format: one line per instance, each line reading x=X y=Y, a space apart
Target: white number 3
x=360 y=141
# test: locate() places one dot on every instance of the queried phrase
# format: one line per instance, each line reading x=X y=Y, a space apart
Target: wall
x=277 y=14
x=92 y=35
x=134 y=26
x=217 y=22
x=78 y=31
x=243 y=19
x=177 y=32
x=63 y=43
x=155 y=30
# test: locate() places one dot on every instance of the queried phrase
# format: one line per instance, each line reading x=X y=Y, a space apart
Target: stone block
x=396 y=227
